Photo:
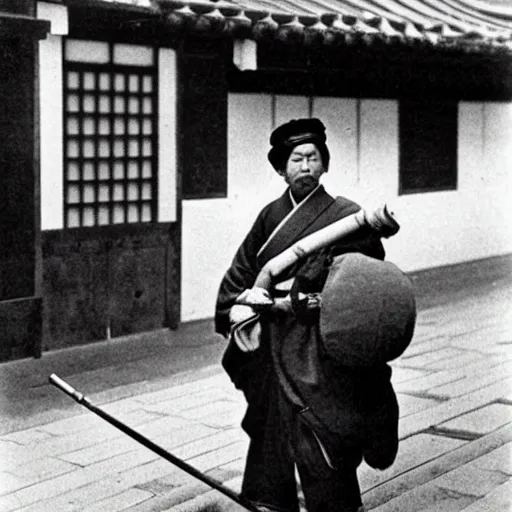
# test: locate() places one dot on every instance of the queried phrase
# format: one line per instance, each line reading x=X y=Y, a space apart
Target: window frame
x=111 y=68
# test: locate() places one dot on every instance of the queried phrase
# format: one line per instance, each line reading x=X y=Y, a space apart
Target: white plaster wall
x=50 y=99
x=340 y=117
x=51 y=110
x=436 y=228
x=56 y=14
x=167 y=103
x=472 y=222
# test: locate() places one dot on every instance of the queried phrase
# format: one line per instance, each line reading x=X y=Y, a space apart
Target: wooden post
x=20 y=301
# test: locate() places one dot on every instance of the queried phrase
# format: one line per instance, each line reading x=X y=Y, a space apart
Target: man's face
x=303 y=170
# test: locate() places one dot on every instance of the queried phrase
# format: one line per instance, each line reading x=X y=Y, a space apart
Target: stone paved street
x=454 y=385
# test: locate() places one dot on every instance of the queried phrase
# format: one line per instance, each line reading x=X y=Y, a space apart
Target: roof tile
x=448 y=24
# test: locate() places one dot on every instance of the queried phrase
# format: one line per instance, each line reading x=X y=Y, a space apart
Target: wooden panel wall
x=20 y=325
x=20 y=305
x=117 y=281
x=17 y=184
x=203 y=120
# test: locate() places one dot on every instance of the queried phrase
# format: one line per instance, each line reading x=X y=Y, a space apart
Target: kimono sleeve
x=240 y=275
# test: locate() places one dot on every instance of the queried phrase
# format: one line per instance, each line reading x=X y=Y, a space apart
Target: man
x=304 y=411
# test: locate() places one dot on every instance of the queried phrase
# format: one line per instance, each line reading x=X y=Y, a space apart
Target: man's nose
x=305 y=164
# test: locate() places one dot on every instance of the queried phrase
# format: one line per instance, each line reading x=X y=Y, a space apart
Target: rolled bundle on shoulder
x=368 y=311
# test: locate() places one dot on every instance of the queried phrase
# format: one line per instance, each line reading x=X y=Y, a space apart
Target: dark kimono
x=321 y=210
x=302 y=409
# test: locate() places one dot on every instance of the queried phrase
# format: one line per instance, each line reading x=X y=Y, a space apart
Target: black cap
x=297 y=131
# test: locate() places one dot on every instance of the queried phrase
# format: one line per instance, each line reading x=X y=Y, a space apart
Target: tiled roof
x=467 y=25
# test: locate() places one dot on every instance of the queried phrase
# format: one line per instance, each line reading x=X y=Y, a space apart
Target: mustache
x=306 y=180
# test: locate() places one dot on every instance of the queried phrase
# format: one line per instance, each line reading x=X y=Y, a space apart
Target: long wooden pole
x=214 y=484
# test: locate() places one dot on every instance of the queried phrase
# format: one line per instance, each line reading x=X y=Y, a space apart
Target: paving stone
x=469 y=319
x=214 y=407
x=122 y=406
x=235 y=466
x=210 y=444
x=497 y=460
x=411 y=404
x=31 y=436
x=12 y=454
x=158 y=473
x=101 y=451
x=24 y=475
x=413 y=452
x=184 y=390
x=458 y=361
x=174 y=438
x=427 y=382
x=155 y=504
x=106 y=450
x=501 y=348
x=219 y=457
x=58 y=485
x=235 y=484
x=227 y=419
x=81 y=496
x=173 y=498
x=423 y=474
x=426 y=345
x=163 y=426
x=473 y=382
x=482 y=340
x=427 y=321
x=120 y=501
x=470 y=480
x=406 y=374
x=187 y=488
x=156 y=383
x=10 y=483
x=224 y=473
x=177 y=405
x=138 y=417
x=209 y=502
x=426 y=359
x=452 y=408
x=427 y=498
x=483 y=420
x=42 y=468
x=55 y=446
x=179 y=486
x=498 y=500
x=437 y=378
x=83 y=422
x=164 y=484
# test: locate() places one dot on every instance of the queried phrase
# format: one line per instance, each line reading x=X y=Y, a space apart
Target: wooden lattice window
x=110 y=130
x=428 y=146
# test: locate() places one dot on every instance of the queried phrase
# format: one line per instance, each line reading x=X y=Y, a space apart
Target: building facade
x=154 y=126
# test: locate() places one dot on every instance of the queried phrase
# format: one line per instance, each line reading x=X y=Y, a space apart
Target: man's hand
x=257 y=298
